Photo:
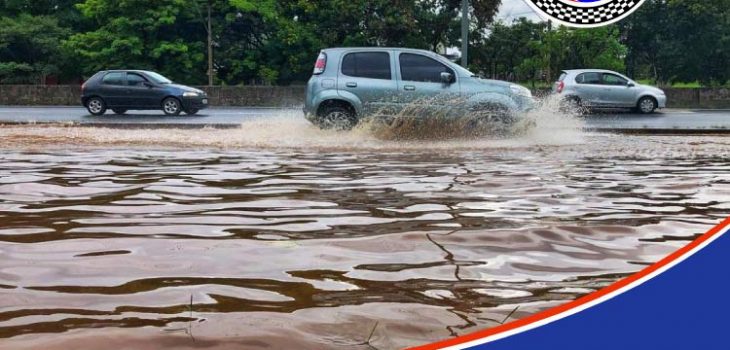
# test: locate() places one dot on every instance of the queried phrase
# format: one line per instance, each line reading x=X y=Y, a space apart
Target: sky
x=512 y=9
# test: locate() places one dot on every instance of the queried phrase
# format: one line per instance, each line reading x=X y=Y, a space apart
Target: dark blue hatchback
x=123 y=90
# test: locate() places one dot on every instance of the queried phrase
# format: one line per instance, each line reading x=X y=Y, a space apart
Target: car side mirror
x=148 y=84
x=630 y=84
x=447 y=78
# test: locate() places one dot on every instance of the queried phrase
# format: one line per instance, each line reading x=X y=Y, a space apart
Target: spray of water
x=545 y=125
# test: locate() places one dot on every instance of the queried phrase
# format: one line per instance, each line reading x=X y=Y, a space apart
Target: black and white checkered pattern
x=585 y=15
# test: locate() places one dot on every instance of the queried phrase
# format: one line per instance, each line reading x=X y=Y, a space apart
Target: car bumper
x=195 y=102
x=661 y=101
x=525 y=103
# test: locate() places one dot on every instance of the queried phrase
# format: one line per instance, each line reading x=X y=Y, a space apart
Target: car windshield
x=158 y=78
x=463 y=71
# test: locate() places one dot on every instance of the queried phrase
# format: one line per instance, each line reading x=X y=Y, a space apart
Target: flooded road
x=282 y=236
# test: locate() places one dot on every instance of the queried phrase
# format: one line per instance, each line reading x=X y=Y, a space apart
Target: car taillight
x=321 y=64
x=83 y=86
x=561 y=85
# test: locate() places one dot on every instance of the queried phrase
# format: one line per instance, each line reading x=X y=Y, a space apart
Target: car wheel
x=646 y=105
x=191 y=111
x=171 y=106
x=119 y=111
x=337 y=118
x=488 y=118
x=572 y=104
x=492 y=112
x=96 y=106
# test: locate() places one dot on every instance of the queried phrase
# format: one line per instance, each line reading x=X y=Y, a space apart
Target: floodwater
x=282 y=236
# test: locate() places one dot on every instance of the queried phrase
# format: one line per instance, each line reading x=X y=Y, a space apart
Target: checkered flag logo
x=587 y=14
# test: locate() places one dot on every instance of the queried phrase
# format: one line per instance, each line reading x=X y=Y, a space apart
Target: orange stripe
x=580 y=301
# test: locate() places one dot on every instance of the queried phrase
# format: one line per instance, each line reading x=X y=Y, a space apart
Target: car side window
x=113 y=78
x=134 y=79
x=613 y=79
x=588 y=78
x=373 y=65
x=421 y=68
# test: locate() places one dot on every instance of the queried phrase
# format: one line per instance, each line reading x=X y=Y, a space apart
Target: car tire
x=192 y=111
x=646 y=105
x=119 y=111
x=96 y=106
x=171 y=106
x=337 y=117
x=488 y=118
x=572 y=104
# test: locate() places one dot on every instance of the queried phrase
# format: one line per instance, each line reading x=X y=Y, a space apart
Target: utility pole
x=464 y=33
x=210 y=46
x=548 y=75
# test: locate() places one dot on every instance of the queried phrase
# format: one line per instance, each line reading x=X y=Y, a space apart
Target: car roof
x=378 y=48
x=578 y=71
x=125 y=71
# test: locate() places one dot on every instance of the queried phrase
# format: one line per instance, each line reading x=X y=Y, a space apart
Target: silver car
x=597 y=88
x=349 y=84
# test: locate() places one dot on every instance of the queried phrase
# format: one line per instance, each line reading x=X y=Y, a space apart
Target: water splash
x=543 y=126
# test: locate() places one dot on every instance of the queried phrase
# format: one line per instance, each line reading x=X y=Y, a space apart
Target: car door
x=141 y=93
x=420 y=84
x=617 y=91
x=113 y=89
x=589 y=87
x=369 y=76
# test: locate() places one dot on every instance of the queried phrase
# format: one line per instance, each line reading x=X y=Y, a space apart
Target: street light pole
x=210 y=47
x=464 y=33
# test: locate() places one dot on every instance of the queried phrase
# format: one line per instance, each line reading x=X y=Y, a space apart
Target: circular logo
x=585 y=13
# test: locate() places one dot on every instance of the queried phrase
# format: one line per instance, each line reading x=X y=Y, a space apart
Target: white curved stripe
x=592 y=303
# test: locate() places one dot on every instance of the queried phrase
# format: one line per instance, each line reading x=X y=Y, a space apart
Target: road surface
x=666 y=121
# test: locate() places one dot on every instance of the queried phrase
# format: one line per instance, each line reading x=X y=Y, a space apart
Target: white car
x=597 y=88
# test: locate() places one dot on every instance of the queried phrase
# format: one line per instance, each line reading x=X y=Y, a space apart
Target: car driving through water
x=598 y=88
x=350 y=84
x=123 y=90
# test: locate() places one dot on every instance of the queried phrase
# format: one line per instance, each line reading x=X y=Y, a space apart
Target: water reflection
x=254 y=247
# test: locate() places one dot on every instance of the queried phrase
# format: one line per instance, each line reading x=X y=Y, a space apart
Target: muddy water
x=282 y=236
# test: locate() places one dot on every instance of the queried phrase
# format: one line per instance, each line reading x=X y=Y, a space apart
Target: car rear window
x=612 y=79
x=588 y=78
x=373 y=65
x=421 y=68
x=114 y=78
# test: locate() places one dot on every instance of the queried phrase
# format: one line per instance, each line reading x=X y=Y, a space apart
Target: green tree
x=294 y=31
x=680 y=40
x=29 y=48
x=162 y=35
x=525 y=50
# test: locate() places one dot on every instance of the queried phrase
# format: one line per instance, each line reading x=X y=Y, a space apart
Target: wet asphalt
x=663 y=121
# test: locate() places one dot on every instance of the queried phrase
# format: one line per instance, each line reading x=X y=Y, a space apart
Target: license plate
x=205 y=101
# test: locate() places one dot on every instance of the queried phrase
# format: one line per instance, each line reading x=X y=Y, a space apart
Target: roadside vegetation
x=682 y=43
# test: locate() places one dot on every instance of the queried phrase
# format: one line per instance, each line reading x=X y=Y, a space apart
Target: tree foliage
x=142 y=34
x=276 y=42
x=527 y=50
x=29 y=48
x=680 y=40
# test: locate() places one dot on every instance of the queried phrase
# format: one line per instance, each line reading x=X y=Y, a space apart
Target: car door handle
x=351 y=84
x=409 y=88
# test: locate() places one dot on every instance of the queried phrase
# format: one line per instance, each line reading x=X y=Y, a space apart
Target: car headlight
x=520 y=90
x=190 y=94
